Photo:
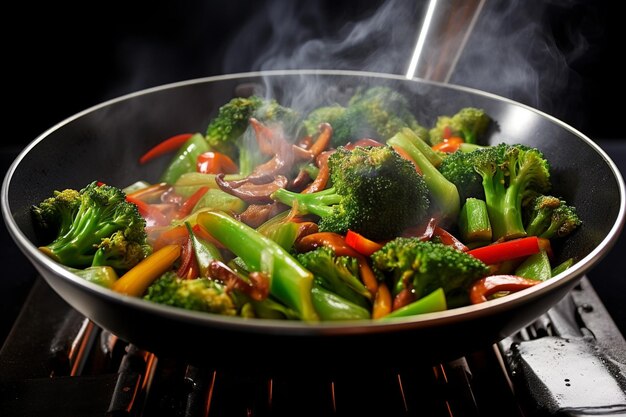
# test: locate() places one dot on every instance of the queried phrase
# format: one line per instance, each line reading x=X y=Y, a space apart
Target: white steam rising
x=511 y=51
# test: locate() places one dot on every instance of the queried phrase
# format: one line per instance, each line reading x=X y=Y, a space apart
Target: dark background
x=557 y=56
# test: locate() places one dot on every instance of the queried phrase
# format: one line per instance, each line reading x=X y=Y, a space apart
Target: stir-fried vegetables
x=353 y=211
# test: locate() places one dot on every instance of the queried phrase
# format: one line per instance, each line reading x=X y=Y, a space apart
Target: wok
x=104 y=143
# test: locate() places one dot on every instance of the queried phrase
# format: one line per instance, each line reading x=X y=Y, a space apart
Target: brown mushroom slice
x=251 y=190
x=256 y=214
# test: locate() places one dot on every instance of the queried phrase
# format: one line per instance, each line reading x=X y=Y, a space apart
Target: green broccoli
x=470 y=123
x=509 y=174
x=120 y=251
x=200 y=294
x=550 y=217
x=458 y=168
x=338 y=274
x=229 y=132
x=54 y=215
x=444 y=194
x=327 y=114
x=374 y=192
x=376 y=113
x=102 y=211
x=425 y=266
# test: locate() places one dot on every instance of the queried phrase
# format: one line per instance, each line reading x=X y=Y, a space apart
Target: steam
x=511 y=50
x=303 y=36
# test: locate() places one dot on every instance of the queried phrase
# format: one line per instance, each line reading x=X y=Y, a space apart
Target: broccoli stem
x=512 y=213
x=289 y=281
x=319 y=203
x=77 y=246
x=444 y=193
x=474 y=225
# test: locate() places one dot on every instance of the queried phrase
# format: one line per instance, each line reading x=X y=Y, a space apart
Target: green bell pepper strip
x=536 y=266
x=435 y=301
x=330 y=306
x=205 y=252
x=104 y=275
x=290 y=282
x=185 y=159
x=562 y=266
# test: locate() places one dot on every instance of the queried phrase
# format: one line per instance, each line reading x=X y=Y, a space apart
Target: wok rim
x=460 y=314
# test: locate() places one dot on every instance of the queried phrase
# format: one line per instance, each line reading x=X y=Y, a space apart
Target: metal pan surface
x=104 y=143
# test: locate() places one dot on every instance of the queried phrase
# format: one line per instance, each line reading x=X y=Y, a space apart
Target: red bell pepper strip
x=423 y=232
x=492 y=284
x=338 y=244
x=406 y=156
x=449 y=239
x=215 y=163
x=361 y=244
x=449 y=145
x=168 y=145
x=176 y=235
x=504 y=251
x=190 y=203
x=188 y=268
x=153 y=216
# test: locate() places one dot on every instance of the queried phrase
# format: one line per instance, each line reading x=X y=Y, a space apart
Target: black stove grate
x=56 y=362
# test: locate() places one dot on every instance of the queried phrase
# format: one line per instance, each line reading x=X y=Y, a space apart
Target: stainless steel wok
x=104 y=143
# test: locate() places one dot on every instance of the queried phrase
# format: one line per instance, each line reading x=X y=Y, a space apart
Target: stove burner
x=569 y=362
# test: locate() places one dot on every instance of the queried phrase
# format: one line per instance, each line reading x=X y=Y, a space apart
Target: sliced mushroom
x=250 y=191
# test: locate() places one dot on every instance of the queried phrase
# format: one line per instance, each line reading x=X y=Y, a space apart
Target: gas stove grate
x=69 y=366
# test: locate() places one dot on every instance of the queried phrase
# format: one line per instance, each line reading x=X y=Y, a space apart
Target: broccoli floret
x=374 y=192
x=470 y=123
x=550 y=217
x=458 y=168
x=120 y=251
x=509 y=174
x=327 y=114
x=226 y=132
x=338 y=274
x=54 y=215
x=102 y=211
x=200 y=294
x=426 y=266
x=377 y=113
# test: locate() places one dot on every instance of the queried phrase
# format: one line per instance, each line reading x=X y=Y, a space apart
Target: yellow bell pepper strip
x=138 y=279
x=382 y=302
x=289 y=281
x=433 y=302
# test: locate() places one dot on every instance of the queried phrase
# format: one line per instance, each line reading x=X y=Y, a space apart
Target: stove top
x=570 y=362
